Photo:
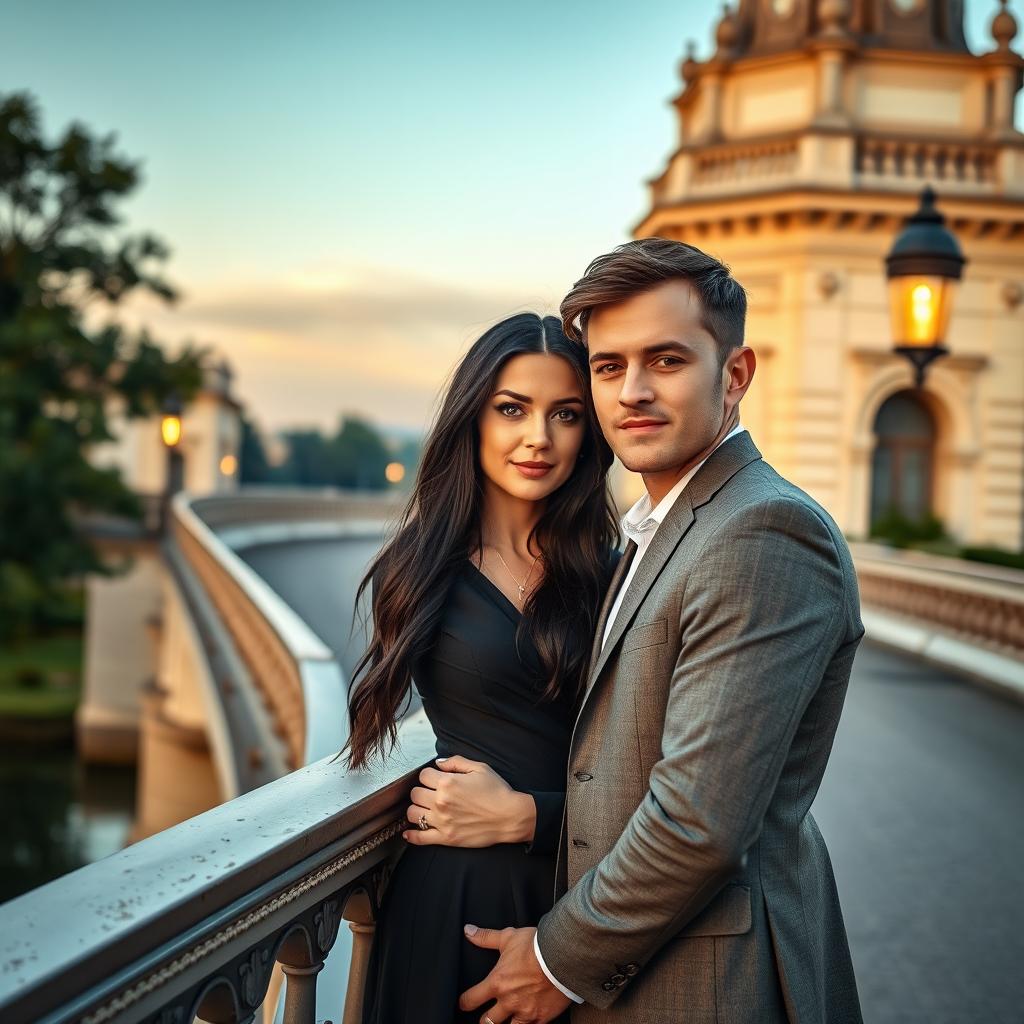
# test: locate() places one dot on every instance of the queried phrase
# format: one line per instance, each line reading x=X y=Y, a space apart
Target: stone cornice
x=855 y=211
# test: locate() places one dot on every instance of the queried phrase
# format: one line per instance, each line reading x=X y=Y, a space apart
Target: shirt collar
x=642 y=520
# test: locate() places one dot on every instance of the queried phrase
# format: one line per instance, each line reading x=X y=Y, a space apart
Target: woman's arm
x=550 y=807
x=466 y=803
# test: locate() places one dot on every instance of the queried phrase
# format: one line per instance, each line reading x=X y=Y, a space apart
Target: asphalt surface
x=319 y=580
x=922 y=807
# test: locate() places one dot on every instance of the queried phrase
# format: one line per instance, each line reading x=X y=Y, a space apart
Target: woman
x=488 y=597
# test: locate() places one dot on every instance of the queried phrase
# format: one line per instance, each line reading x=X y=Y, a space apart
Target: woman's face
x=532 y=426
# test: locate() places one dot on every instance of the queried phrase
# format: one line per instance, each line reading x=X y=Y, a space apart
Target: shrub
x=994 y=556
x=901 y=532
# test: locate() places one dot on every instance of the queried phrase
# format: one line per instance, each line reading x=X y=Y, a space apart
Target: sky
x=353 y=192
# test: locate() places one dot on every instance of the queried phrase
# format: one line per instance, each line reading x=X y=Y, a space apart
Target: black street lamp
x=170 y=434
x=923 y=268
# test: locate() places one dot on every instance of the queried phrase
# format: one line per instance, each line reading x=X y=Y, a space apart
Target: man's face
x=661 y=395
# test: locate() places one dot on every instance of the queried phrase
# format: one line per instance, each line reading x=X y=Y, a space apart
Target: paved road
x=922 y=807
x=319 y=579
x=923 y=810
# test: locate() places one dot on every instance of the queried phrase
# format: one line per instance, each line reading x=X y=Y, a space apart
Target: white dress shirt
x=639 y=524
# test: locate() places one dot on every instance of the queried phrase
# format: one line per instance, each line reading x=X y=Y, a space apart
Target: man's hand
x=521 y=988
x=467 y=803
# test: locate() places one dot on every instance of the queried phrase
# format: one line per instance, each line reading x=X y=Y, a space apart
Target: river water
x=58 y=814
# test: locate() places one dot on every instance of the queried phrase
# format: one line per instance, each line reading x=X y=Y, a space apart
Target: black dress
x=481 y=697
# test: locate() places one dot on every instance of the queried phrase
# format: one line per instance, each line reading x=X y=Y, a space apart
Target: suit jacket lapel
x=609 y=599
x=653 y=560
x=722 y=465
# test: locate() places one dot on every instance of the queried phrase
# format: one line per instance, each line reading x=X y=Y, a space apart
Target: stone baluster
x=300 y=993
x=888 y=159
x=300 y=965
x=928 y=163
x=359 y=915
x=963 y=164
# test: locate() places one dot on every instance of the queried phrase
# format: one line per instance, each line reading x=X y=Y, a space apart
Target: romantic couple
x=618 y=826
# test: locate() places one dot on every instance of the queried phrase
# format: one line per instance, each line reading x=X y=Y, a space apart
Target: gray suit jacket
x=694 y=883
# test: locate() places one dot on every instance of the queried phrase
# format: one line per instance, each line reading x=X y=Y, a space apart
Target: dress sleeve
x=550 y=808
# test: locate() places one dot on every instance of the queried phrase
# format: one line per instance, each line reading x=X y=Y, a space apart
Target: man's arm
x=762 y=615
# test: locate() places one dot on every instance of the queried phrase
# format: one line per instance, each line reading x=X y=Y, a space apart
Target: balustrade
x=189 y=923
x=927 y=161
x=981 y=606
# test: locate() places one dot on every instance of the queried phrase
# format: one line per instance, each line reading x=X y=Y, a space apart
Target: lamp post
x=923 y=268
x=170 y=434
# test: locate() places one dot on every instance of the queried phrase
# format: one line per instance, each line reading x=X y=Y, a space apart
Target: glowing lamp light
x=228 y=465
x=923 y=266
x=394 y=473
x=170 y=430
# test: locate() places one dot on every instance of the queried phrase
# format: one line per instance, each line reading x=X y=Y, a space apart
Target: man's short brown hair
x=636 y=267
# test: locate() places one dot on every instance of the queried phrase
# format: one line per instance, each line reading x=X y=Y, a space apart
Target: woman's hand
x=466 y=803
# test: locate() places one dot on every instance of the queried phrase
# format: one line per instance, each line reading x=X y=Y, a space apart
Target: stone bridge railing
x=295 y=675
x=965 y=614
x=192 y=921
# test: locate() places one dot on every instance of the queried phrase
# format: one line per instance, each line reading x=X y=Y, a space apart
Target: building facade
x=211 y=437
x=804 y=143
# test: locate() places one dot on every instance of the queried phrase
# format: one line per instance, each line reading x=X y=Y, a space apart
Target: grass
x=41 y=677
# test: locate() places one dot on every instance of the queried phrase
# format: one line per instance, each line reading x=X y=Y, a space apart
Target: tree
x=253 y=465
x=62 y=253
x=358 y=456
x=308 y=463
x=354 y=459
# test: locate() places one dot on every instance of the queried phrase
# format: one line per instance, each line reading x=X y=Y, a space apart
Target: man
x=694 y=884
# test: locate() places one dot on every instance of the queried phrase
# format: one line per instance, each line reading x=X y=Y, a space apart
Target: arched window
x=901 y=468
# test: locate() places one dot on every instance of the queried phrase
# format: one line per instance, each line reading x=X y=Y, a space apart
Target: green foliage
x=896 y=529
x=994 y=556
x=61 y=254
x=929 y=535
x=41 y=677
x=253 y=467
x=354 y=459
x=359 y=456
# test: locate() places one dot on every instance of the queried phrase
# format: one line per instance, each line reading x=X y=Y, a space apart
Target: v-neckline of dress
x=495 y=592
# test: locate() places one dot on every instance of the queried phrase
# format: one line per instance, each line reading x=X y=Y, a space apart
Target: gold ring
x=423 y=828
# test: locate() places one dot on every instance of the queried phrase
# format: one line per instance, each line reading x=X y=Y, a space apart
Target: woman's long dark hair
x=440 y=527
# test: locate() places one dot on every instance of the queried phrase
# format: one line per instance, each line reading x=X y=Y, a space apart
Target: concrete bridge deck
x=921 y=808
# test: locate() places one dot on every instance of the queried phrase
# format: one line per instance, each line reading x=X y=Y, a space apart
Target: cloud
x=316 y=343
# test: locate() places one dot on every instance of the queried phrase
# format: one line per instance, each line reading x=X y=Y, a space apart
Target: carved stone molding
x=252 y=961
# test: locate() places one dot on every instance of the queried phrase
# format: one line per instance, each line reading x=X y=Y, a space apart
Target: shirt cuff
x=568 y=993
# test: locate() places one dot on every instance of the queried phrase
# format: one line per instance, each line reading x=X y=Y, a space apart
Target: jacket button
x=630 y=970
x=618 y=980
x=581 y=843
x=582 y=776
x=607 y=986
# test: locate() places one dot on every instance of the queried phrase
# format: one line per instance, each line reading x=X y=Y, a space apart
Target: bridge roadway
x=921 y=808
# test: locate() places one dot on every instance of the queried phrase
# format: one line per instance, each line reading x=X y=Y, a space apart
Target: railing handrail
x=956 y=573
x=298 y=675
x=292 y=631
x=978 y=605
x=114 y=932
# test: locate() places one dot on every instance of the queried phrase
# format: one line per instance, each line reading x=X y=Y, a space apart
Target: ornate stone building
x=804 y=143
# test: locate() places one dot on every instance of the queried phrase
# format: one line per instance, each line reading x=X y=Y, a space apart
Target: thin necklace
x=522 y=586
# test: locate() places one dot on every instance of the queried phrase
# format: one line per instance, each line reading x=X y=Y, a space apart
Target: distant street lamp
x=923 y=267
x=170 y=434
